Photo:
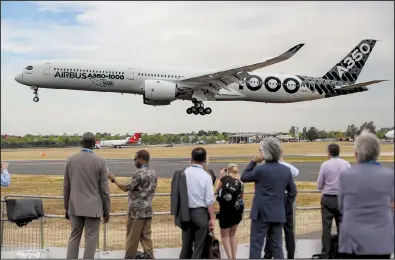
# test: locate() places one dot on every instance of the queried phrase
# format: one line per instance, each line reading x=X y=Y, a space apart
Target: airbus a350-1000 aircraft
x=162 y=86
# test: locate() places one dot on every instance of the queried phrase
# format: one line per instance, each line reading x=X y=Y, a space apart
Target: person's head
x=199 y=155
x=271 y=149
x=233 y=170
x=367 y=147
x=141 y=158
x=333 y=150
x=88 y=140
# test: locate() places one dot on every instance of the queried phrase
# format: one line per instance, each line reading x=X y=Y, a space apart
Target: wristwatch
x=113 y=180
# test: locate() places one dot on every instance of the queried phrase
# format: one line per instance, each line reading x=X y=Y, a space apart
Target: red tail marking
x=135 y=138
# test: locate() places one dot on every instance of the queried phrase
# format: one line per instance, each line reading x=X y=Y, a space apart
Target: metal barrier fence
x=53 y=230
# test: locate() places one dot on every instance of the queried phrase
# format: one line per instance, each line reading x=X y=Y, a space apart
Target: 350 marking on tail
x=356 y=56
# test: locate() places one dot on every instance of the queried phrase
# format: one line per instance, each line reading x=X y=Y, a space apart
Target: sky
x=195 y=35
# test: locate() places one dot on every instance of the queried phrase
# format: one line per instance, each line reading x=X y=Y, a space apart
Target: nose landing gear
x=198 y=108
x=35 y=92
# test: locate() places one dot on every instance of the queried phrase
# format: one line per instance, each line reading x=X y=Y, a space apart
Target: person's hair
x=367 y=147
x=213 y=177
x=199 y=155
x=142 y=154
x=334 y=150
x=271 y=148
x=88 y=140
x=234 y=172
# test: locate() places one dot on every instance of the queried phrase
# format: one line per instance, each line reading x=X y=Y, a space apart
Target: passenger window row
x=93 y=71
x=159 y=75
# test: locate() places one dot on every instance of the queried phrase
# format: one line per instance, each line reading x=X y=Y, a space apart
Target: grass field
x=184 y=151
x=165 y=234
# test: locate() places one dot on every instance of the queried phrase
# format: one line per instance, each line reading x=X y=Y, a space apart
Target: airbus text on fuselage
x=160 y=86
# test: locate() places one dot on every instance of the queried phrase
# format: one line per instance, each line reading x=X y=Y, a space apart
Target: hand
x=211 y=224
x=106 y=218
x=111 y=176
x=258 y=159
x=392 y=205
x=67 y=215
x=4 y=165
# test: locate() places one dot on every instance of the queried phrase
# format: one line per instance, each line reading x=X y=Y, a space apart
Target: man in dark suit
x=271 y=180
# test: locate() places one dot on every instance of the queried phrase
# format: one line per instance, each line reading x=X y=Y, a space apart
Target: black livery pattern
x=329 y=88
x=361 y=52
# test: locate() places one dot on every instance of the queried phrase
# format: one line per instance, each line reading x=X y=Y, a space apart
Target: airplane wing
x=213 y=82
x=359 y=85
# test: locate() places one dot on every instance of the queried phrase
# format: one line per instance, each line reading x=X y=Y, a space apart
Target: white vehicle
x=390 y=135
x=134 y=140
x=160 y=86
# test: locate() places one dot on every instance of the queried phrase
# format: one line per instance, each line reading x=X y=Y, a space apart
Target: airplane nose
x=18 y=78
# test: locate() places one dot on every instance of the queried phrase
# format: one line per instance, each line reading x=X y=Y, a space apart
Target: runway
x=164 y=167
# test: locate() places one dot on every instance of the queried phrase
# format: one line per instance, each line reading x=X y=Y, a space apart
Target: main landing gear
x=35 y=92
x=198 y=108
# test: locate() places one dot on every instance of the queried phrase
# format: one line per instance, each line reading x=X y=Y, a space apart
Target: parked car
x=169 y=145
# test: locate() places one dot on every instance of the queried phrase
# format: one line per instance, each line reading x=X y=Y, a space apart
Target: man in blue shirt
x=5 y=176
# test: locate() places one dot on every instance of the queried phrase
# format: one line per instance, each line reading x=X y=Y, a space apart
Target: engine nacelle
x=159 y=92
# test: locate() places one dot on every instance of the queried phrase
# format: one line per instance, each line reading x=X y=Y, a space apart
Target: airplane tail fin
x=135 y=138
x=349 y=68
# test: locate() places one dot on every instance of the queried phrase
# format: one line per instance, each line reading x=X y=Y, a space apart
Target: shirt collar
x=87 y=150
x=197 y=166
x=372 y=162
x=144 y=166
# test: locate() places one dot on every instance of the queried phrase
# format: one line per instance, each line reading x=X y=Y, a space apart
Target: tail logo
x=355 y=56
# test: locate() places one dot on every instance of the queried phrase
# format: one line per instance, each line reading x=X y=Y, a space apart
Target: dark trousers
x=288 y=234
x=194 y=234
x=354 y=256
x=259 y=230
x=329 y=211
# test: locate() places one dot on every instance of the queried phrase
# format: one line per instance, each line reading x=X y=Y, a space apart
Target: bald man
x=86 y=197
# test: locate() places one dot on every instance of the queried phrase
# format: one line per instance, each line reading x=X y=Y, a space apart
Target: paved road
x=164 y=167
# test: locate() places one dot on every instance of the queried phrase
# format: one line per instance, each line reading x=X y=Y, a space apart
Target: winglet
x=293 y=50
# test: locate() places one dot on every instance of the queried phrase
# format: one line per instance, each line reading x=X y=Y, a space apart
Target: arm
x=291 y=188
x=5 y=178
x=321 y=178
x=104 y=189
x=249 y=174
x=340 y=193
x=219 y=186
x=209 y=199
x=66 y=187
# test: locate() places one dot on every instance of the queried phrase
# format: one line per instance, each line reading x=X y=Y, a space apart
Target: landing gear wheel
x=207 y=111
x=201 y=110
x=203 y=113
x=196 y=112
x=189 y=111
x=36 y=99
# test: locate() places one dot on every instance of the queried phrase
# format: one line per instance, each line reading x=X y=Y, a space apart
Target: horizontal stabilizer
x=359 y=85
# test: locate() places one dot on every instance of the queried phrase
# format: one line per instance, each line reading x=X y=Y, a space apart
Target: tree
x=311 y=134
x=304 y=132
x=351 y=131
x=292 y=131
x=194 y=139
x=381 y=133
x=322 y=134
x=185 y=139
x=220 y=137
x=367 y=125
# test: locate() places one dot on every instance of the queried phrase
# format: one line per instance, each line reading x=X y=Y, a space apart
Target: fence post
x=105 y=237
x=42 y=232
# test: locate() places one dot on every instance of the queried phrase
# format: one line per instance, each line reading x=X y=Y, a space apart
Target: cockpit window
x=29 y=68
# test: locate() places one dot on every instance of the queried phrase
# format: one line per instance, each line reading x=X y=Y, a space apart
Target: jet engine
x=159 y=92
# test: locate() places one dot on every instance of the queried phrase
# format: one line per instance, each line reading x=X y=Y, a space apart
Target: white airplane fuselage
x=84 y=76
x=390 y=134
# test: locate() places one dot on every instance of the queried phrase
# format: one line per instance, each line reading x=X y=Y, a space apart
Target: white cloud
x=199 y=35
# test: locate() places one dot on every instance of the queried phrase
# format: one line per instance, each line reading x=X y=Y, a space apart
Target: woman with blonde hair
x=231 y=207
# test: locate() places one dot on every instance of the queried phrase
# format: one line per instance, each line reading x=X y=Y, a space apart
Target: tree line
x=65 y=140
x=351 y=132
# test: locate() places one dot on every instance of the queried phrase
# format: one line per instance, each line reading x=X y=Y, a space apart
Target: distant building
x=245 y=138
